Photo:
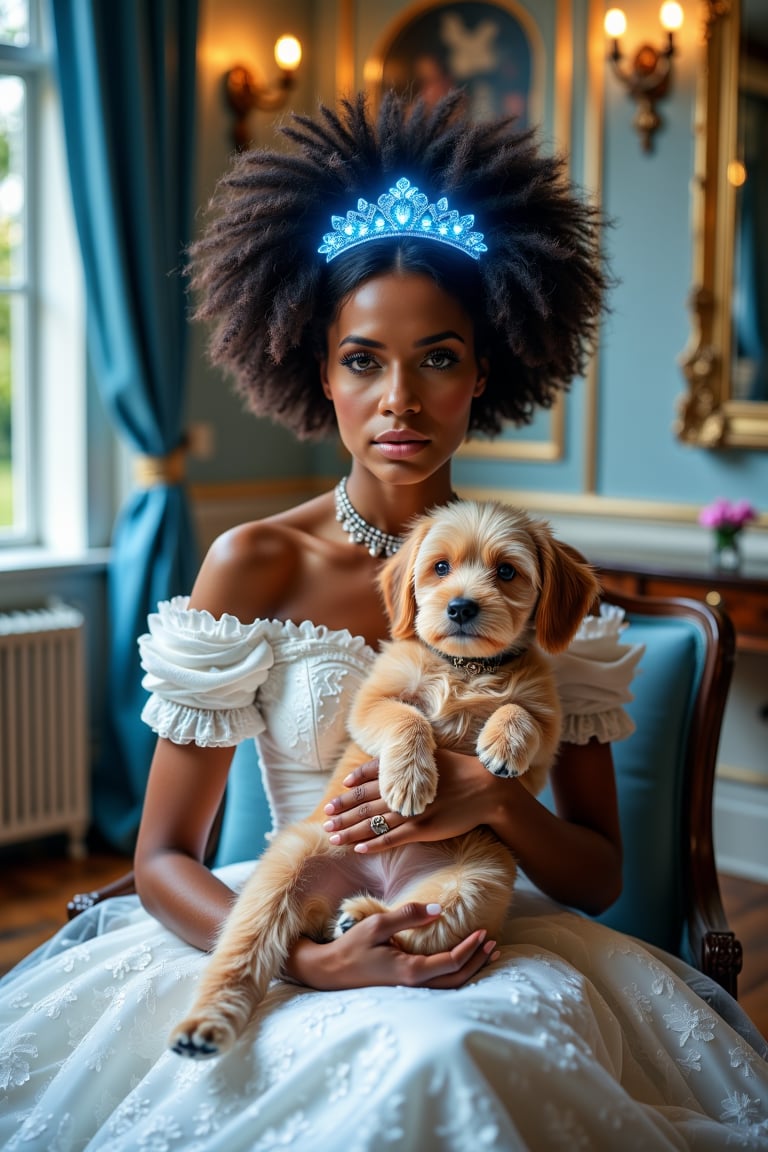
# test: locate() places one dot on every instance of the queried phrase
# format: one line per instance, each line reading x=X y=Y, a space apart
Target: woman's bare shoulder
x=250 y=569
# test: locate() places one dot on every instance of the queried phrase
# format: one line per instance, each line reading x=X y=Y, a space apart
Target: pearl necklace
x=377 y=542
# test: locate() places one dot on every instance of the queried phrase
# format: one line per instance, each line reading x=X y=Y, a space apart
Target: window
x=20 y=64
x=58 y=463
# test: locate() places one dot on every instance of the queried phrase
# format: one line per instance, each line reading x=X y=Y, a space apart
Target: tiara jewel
x=403 y=211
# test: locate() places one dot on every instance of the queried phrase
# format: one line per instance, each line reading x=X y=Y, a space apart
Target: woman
x=406 y=283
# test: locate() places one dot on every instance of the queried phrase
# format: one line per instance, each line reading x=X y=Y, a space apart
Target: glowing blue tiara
x=403 y=211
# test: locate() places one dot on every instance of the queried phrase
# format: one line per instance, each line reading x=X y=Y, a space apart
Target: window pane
x=6 y=424
x=13 y=412
x=13 y=381
x=14 y=22
x=12 y=120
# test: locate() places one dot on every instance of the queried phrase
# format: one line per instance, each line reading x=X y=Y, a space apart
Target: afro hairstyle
x=535 y=297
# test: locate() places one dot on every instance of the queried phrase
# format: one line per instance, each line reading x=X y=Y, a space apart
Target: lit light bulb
x=736 y=173
x=671 y=16
x=615 y=23
x=288 y=53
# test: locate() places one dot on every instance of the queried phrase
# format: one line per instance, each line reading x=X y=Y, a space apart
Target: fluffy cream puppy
x=476 y=596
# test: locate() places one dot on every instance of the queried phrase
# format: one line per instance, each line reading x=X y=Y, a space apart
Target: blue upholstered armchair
x=665 y=775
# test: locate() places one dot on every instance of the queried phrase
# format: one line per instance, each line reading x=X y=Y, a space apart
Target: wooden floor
x=36 y=882
x=746 y=906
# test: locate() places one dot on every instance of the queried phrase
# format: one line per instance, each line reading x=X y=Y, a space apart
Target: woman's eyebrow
x=361 y=340
x=449 y=335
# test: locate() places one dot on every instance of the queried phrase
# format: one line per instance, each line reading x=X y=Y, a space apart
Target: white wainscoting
x=741 y=829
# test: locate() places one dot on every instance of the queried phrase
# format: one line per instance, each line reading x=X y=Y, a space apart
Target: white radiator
x=43 y=726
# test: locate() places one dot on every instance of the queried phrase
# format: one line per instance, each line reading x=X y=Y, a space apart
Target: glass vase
x=727 y=552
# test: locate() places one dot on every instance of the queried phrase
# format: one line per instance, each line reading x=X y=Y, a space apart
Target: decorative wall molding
x=551 y=447
x=581 y=518
x=619 y=527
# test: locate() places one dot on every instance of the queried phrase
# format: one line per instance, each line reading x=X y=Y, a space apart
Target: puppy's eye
x=442 y=568
x=506 y=572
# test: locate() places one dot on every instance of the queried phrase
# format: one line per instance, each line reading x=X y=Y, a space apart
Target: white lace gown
x=577 y=1038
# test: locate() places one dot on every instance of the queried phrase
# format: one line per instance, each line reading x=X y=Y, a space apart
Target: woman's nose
x=399 y=394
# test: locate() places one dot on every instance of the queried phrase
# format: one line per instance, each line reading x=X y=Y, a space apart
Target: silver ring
x=378 y=825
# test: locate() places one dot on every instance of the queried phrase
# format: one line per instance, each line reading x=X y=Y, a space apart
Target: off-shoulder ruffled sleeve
x=594 y=677
x=203 y=675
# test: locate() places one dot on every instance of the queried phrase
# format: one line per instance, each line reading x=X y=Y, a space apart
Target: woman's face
x=402 y=372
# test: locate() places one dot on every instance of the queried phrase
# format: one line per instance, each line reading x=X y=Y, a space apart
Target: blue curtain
x=127 y=76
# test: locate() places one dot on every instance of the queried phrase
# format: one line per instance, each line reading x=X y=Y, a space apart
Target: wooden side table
x=743 y=595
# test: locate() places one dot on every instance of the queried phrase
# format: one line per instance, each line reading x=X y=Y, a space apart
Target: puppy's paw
x=508 y=742
x=407 y=769
x=502 y=759
x=199 y=1038
x=408 y=788
x=353 y=910
x=440 y=936
x=498 y=766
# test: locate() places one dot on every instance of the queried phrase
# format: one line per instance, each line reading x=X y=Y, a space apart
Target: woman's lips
x=398 y=445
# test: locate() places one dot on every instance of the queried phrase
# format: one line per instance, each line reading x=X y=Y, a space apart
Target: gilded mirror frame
x=708 y=416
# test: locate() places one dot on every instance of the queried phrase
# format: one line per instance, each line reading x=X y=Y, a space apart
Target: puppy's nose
x=462 y=610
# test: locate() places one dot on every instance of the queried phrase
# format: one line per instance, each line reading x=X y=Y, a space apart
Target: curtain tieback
x=152 y=471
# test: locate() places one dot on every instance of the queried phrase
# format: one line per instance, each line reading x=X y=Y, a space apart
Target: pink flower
x=727 y=515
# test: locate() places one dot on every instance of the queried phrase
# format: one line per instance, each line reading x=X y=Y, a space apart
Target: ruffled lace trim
x=282 y=632
x=203 y=675
x=176 y=616
x=197 y=623
x=607 y=727
x=594 y=677
x=202 y=726
x=610 y=622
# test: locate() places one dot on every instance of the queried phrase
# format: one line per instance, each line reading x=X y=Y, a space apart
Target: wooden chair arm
x=722 y=958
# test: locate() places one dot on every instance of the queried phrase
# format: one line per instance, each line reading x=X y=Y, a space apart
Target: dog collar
x=474 y=665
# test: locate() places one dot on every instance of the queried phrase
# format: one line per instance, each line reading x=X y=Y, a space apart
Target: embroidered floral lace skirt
x=576 y=1038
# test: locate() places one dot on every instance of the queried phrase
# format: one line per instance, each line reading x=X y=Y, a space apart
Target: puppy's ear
x=569 y=590
x=396 y=583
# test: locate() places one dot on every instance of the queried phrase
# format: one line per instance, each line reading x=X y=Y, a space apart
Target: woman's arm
x=187 y=782
x=185 y=789
x=574 y=856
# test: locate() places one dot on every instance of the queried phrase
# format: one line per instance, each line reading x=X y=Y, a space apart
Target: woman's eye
x=441 y=358
x=442 y=568
x=506 y=572
x=358 y=362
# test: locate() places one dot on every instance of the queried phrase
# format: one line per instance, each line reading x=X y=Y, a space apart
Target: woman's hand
x=573 y=854
x=467 y=796
x=367 y=955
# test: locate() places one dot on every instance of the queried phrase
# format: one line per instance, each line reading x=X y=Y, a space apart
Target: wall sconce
x=647 y=77
x=244 y=94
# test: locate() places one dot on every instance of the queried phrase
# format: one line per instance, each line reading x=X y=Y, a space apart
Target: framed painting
x=492 y=51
